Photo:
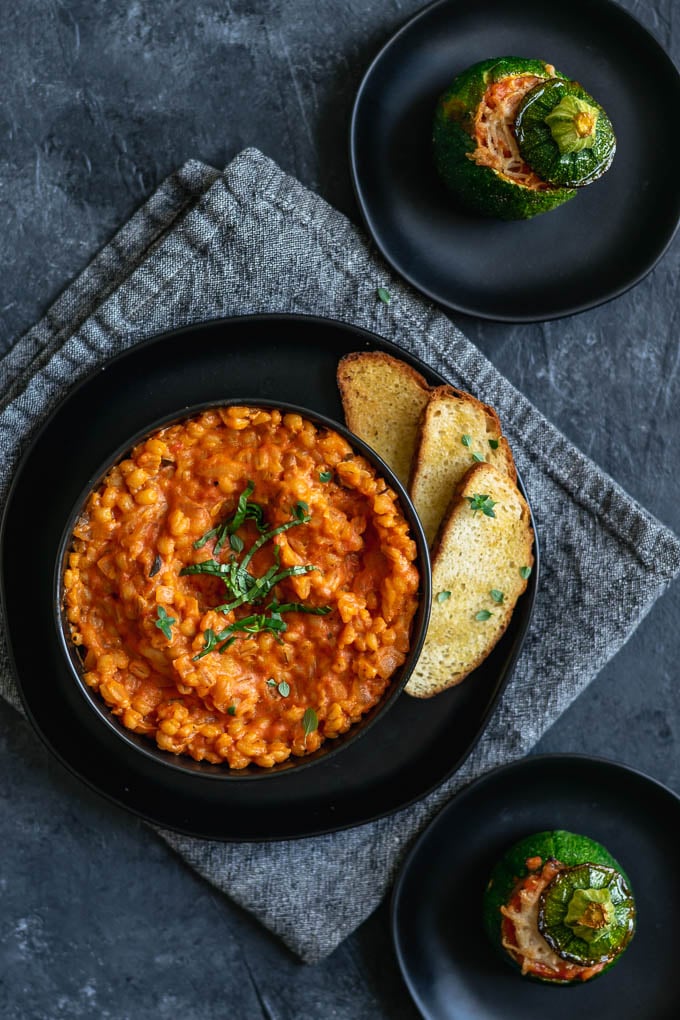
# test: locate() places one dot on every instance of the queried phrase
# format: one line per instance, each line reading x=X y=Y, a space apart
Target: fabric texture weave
x=250 y=239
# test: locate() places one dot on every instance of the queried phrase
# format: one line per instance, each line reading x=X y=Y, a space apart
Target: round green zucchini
x=564 y=135
x=586 y=913
x=482 y=189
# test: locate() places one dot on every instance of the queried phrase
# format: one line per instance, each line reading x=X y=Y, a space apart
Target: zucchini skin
x=481 y=189
x=567 y=847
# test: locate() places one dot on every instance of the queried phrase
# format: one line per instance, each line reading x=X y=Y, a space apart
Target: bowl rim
x=222 y=772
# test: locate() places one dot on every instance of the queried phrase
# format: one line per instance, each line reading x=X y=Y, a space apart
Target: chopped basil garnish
x=231 y=710
x=478 y=457
x=483 y=614
x=245 y=510
x=466 y=440
x=493 y=443
x=325 y=476
x=524 y=572
x=164 y=622
x=442 y=596
x=384 y=295
x=497 y=596
x=241 y=585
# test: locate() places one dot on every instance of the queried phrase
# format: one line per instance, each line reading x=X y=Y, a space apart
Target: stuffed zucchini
x=513 y=137
x=559 y=907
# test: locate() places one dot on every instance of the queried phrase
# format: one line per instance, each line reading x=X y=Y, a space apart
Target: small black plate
x=453 y=972
x=276 y=357
x=578 y=256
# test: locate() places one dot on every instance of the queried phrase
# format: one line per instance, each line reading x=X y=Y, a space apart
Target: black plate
x=290 y=358
x=584 y=253
x=451 y=969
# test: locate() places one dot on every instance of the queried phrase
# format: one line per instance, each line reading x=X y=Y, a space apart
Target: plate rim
x=366 y=336
x=432 y=294
x=469 y=792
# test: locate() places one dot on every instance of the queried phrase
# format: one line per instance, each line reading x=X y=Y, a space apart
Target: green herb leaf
x=524 y=572
x=493 y=443
x=242 y=585
x=310 y=722
x=200 y=542
x=466 y=440
x=483 y=614
x=242 y=507
x=283 y=687
x=325 y=476
x=299 y=607
x=231 y=710
x=210 y=643
x=497 y=596
x=442 y=596
x=301 y=512
x=479 y=457
x=164 y=622
x=245 y=510
x=483 y=502
x=384 y=295
x=156 y=566
x=206 y=567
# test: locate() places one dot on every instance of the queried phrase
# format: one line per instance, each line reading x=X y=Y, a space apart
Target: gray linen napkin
x=251 y=239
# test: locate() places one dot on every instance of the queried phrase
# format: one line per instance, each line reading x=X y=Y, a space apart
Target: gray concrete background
x=100 y=100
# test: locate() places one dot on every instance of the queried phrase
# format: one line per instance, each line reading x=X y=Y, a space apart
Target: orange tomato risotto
x=241 y=587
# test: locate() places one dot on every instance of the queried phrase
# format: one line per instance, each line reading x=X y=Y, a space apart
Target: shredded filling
x=494 y=131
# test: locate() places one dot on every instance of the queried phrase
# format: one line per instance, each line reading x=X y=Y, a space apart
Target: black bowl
x=331 y=747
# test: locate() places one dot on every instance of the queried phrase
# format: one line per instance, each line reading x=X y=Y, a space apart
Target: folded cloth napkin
x=251 y=239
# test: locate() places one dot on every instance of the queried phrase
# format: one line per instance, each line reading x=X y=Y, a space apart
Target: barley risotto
x=241 y=587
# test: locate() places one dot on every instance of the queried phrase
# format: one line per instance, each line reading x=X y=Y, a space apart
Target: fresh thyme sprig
x=164 y=622
x=483 y=502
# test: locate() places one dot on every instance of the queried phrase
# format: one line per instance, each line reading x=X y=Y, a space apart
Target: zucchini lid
x=564 y=134
x=586 y=914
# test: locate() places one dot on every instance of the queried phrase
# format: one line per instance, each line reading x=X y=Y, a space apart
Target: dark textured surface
x=100 y=101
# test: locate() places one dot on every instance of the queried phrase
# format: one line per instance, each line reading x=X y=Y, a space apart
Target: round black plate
x=290 y=358
x=451 y=969
x=584 y=253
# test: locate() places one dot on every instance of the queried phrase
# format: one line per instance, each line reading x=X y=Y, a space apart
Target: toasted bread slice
x=481 y=554
x=456 y=430
x=383 y=399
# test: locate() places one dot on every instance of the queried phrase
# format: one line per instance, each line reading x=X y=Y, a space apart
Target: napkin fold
x=252 y=239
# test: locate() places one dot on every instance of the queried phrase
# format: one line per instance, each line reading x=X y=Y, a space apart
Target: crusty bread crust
x=383 y=398
x=475 y=554
x=429 y=435
x=455 y=430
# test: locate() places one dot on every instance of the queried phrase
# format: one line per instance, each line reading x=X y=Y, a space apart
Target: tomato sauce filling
x=299 y=661
x=494 y=131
